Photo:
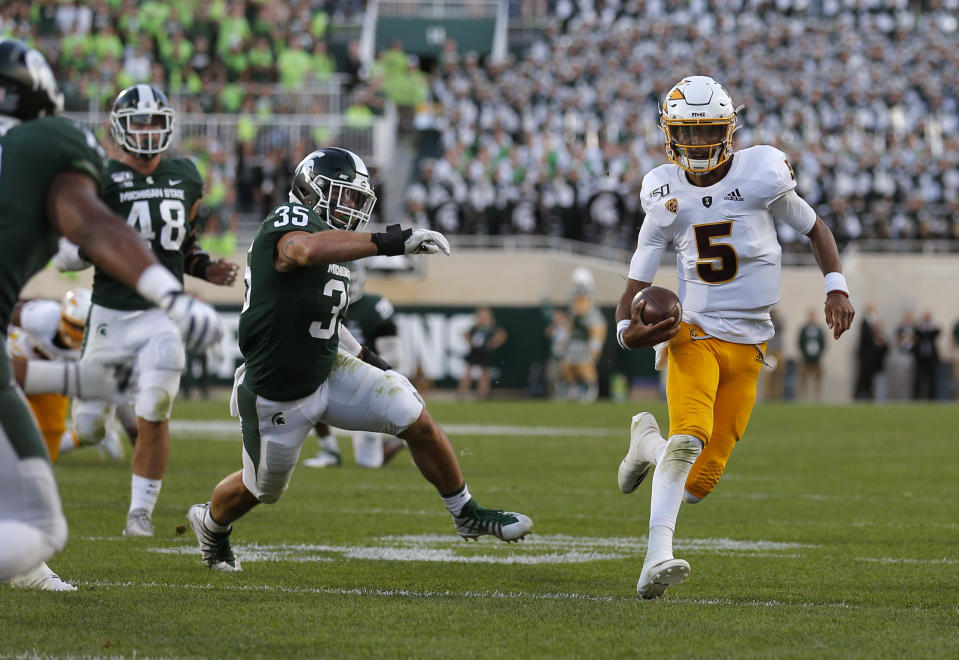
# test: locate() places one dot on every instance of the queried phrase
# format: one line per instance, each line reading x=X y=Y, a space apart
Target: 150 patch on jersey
x=660 y=192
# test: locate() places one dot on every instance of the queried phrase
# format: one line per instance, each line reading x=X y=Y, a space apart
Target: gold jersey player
x=719 y=209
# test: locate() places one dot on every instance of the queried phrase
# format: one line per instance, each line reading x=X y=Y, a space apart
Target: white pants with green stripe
x=32 y=526
x=355 y=396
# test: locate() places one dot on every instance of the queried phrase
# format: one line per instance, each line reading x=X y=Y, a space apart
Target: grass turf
x=833 y=534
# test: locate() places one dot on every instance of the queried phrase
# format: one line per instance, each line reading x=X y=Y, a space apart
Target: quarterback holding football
x=718 y=208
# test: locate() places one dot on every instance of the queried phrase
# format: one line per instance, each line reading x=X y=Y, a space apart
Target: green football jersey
x=156 y=205
x=290 y=321
x=31 y=155
x=369 y=318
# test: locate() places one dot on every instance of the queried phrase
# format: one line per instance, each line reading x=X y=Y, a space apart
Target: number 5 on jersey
x=717 y=262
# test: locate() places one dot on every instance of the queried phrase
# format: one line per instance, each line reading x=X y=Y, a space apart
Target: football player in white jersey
x=51 y=330
x=718 y=208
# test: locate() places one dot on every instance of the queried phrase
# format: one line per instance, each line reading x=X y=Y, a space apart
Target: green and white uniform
x=578 y=349
x=294 y=376
x=370 y=318
x=123 y=326
x=31 y=155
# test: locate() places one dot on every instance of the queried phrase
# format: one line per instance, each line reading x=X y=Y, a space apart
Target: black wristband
x=82 y=254
x=197 y=263
x=391 y=242
x=372 y=358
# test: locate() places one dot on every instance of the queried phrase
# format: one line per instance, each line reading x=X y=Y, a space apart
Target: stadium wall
x=893 y=283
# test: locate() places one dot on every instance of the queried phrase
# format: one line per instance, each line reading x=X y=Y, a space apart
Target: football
x=660 y=304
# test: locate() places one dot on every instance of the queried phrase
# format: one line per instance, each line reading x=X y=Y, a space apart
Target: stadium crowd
x=862 y=94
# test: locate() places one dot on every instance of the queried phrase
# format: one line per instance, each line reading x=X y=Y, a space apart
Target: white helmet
x=583 y=282
x=698 y=119
x=74 y=309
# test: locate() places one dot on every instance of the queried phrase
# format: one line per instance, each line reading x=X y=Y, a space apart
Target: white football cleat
x=41 y=578
x=644 y=441
x=655 y=579
x=323 y=459
x=215 y=547
x=138 y=523
x=111 y=446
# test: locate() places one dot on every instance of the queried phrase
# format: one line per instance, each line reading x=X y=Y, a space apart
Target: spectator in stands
x=812 y=344
x=926 y=352
x=483 y=338
x=955 y=359
x=871 y=355
x=901 y=360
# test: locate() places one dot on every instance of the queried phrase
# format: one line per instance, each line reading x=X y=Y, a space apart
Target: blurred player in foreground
x=50 y=172
x=718 y=208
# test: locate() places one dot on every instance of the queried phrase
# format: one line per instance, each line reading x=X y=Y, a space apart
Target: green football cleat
x=475 y=521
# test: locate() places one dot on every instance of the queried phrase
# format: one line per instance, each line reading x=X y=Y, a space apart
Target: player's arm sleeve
x=348 y=342
x=793 y=210
x=649 y=250
x=195 y=258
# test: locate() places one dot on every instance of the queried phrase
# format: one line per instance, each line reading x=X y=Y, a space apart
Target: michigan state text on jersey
x=157 y=206
x=290 y=321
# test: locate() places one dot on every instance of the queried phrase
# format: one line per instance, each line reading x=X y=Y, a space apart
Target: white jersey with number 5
x=728 y=256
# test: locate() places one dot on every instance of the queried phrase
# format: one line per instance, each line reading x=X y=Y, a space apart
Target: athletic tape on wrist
x=620 y=329
x=836 y=282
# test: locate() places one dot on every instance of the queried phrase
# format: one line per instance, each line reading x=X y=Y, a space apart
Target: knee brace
x=90 y=424
x=680 y=455
x=269 y=480
x=399 y=408
x=160 y=367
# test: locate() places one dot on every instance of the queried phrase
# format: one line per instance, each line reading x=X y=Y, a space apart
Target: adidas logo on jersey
x=734 y=196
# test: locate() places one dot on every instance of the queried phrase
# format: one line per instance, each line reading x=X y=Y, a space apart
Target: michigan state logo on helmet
x=141 y=121
x=28 y=88
x=336 y=185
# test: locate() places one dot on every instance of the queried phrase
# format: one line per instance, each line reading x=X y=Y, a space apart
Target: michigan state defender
x=369 y=318
x=159 y=198
x=50 y=170
x=303 y=366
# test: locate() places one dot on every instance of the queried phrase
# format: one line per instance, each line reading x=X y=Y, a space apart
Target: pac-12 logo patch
x=708 y=201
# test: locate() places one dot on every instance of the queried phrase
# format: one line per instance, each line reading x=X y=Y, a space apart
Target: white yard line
x=232 y=428
x=483 y=595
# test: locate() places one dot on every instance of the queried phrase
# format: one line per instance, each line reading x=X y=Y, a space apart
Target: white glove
x=88 y=380
x=68 y=258
x=198 y=322
x=405 y=382
x=426 y=241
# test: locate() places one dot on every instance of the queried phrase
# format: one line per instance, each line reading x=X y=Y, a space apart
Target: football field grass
x=834 y=533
